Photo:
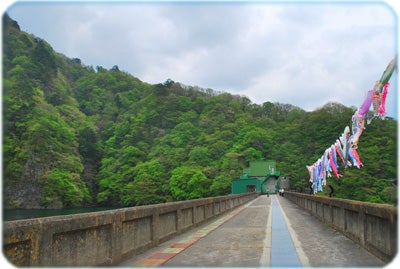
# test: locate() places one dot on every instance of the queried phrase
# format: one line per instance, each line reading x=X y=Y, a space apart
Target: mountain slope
x=74 y=135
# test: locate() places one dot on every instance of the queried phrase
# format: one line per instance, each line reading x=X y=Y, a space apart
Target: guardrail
x=373 y=226
x=107 y=237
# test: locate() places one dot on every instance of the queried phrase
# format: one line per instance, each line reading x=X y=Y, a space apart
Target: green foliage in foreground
x=75 y=135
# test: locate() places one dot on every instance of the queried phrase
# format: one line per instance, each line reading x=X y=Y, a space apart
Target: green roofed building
x=260 y=177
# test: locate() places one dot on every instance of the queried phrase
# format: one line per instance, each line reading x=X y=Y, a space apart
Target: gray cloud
x=304 y=54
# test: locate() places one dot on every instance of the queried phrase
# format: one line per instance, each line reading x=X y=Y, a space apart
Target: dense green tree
x=189 y=183
x=63 y=189
x=74 y=135
x=150 y=185
x=221 y=185
x=199 y=155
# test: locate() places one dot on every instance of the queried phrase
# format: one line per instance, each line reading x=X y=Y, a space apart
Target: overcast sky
x=301 y=53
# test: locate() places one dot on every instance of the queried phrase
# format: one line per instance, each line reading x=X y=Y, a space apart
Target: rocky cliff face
x=25 y=191
x=42 y=165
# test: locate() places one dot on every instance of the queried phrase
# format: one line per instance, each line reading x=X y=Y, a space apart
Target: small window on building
x=251 y=188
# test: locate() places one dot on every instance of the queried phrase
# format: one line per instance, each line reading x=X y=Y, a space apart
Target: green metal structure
x=259 y=177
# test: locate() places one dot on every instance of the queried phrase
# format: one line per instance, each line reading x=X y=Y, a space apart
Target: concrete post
x=116 y=238
x=155 y=223
x=179 y=221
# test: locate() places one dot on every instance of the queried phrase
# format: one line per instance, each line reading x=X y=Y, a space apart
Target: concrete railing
x=106 y=237
x=373 y=226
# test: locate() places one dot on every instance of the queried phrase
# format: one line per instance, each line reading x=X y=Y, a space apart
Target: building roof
x=261 y=169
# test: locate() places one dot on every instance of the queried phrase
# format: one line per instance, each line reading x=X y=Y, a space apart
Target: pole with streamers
x=345 y=147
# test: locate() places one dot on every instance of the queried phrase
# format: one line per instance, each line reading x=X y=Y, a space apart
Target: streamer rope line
x=347 y=144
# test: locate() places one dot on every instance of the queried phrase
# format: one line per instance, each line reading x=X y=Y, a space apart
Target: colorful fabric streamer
x=346 y=145
x=366 y=104
x=382 y=108
x=355 y=158
x=357 y=127
x=344 y=139
x=339 y=150
x=333 y=162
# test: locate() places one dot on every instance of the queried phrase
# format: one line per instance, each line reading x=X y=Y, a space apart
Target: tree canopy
x=75 y=135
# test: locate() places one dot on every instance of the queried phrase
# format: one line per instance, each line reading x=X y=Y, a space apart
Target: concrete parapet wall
x=373 y=226
x=106 y=237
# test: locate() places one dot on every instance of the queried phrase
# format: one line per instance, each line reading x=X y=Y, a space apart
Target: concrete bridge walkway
x=268 y=231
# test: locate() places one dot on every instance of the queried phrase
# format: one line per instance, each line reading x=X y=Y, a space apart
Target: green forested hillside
x=74 y=135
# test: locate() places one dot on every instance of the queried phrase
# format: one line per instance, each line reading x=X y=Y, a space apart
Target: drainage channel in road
x=283 y=252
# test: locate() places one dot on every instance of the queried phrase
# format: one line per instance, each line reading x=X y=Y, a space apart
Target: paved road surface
x=268 y=231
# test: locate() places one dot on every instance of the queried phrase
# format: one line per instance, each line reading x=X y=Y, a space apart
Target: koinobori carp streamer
x=346 y=145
